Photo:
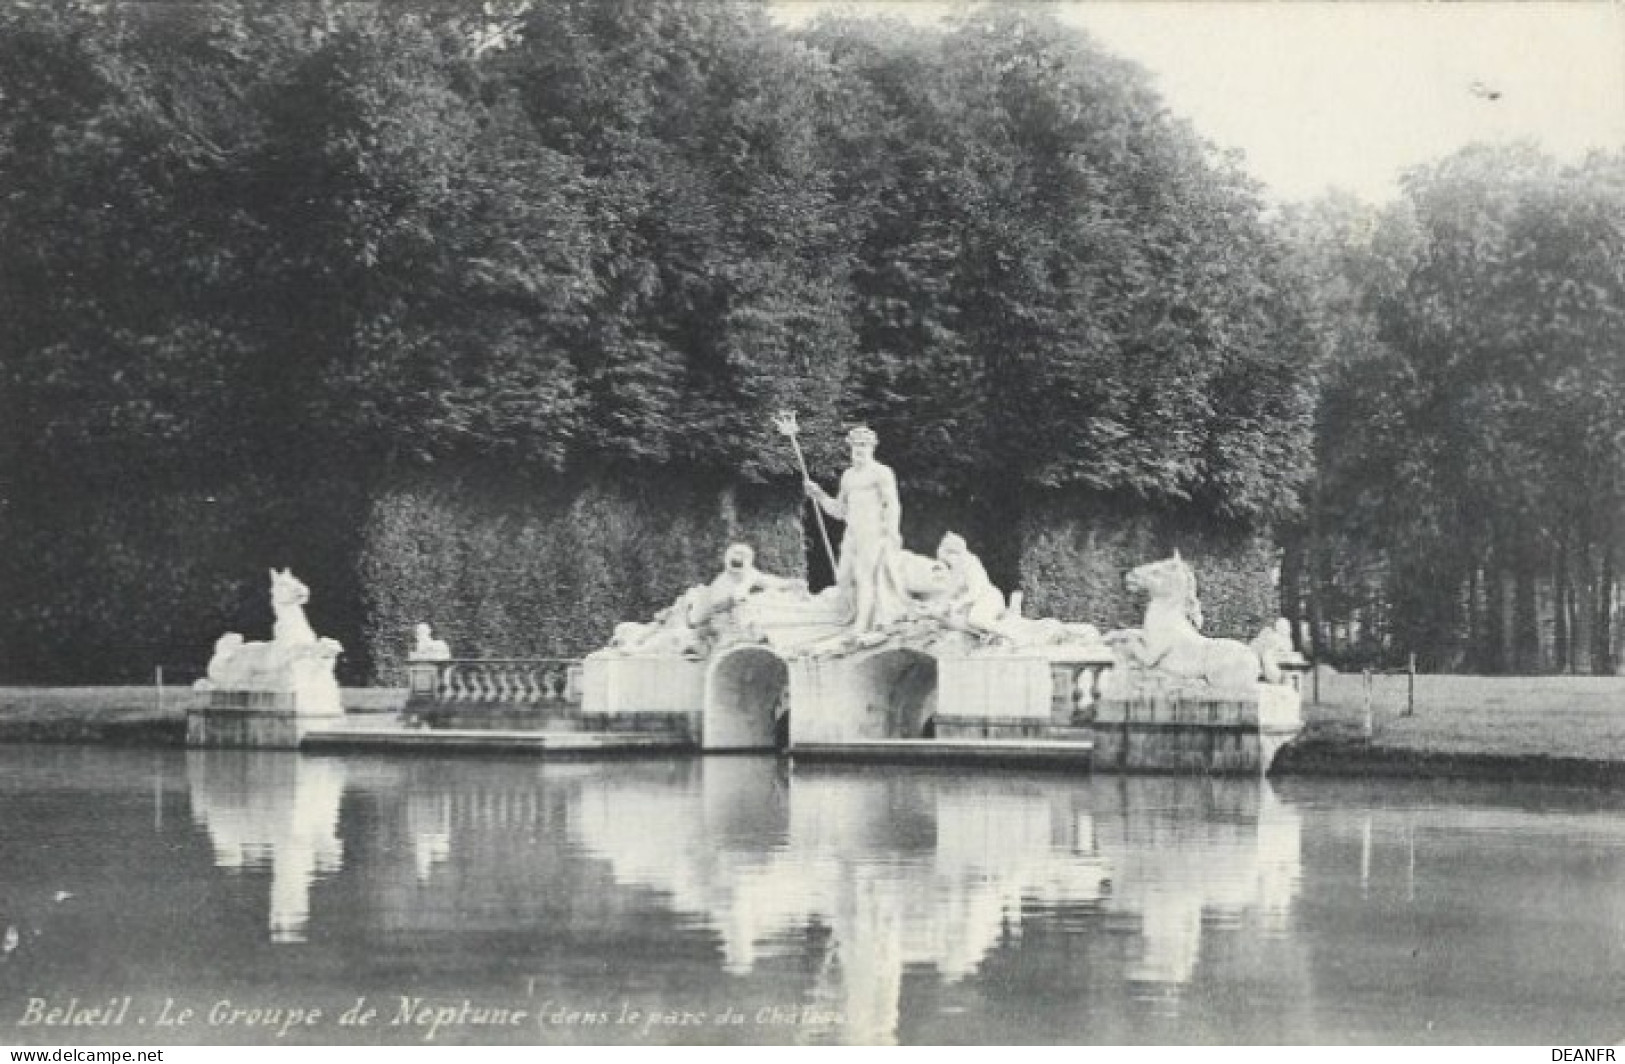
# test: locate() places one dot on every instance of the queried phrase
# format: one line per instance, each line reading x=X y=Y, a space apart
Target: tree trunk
x=1493 y=658
x=1616 y=620
x=1562 y=661
x=1525 y=620
x=1292 y=605
x=1582 y=626
x=1474 y=642
x=1603 y=661
x=1317 y=588
x=1376 y=608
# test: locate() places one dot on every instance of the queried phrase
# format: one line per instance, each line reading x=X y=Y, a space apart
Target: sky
x=1349 y=95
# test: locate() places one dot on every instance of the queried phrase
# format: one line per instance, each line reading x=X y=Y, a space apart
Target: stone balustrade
x=533 y=687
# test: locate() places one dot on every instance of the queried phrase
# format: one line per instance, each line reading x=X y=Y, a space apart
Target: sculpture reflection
x=269 y=811
x=826 y=890
x=947 y=885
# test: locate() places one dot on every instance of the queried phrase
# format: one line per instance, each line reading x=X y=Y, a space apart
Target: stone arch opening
x=747 y=701
x=899 y=693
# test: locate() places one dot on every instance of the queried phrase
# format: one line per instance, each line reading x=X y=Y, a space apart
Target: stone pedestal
x=1212 y=733
x=621 y=689
x=422 y=682
x=994 y=697
x=272 y=720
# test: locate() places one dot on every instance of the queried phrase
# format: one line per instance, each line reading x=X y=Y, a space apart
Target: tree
x=1043 y=246
x=1471 y=415
x=718 y=261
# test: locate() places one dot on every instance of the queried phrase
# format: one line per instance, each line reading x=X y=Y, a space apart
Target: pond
x=168 y=897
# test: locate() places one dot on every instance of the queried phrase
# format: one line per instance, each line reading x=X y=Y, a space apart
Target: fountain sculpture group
x=905 y=654
x=926 y=654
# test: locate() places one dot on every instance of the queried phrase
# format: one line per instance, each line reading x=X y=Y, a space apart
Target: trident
x=785 y=422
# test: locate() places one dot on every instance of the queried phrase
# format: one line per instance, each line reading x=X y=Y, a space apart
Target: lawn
x=130 y=714
x=1512 y=716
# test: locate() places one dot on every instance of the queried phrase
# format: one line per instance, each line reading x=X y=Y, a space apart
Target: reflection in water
x=933 y=870
x=883 y=904
x=271 y=810
x=919 y=906
x=874 y=873
x=429 y=820
x=1179 y=848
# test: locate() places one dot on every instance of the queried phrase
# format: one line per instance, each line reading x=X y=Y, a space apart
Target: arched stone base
x=884 y=694
x=746 y=692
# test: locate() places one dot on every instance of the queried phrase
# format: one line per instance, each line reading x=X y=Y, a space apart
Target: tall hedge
x=508 y=569
x=104 y=586
x=1074 y=553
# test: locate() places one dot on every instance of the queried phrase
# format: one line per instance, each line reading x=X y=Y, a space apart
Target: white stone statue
x=969 y=601
x=710 y=613
x=1169 y=646
x=1273 y=645
x=667 y=633
x=883 y=593
x=869 y=573
x=736 y=585
x=428 y=648
x=295 y=662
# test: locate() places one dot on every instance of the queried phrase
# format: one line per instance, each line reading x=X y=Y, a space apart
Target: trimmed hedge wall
x=502 y=570
x=1075 y=553
x=103 y=586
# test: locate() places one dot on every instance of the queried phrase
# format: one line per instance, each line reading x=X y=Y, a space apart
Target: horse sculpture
x=1169 y=645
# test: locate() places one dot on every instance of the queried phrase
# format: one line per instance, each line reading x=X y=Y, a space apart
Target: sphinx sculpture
x=296 y=663
x=427 y=647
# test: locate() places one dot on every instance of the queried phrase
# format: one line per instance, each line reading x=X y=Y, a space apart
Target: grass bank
x=142 y=716
x=1557 y=728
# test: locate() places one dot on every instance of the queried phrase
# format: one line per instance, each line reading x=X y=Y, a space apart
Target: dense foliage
x=1472 y=433
x=250 y=236
x=260 y=240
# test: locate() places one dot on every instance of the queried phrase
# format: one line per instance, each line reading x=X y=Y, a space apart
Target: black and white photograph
x=812 y=522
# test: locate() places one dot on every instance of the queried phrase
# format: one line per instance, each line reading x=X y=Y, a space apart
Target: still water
x=221 y=896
